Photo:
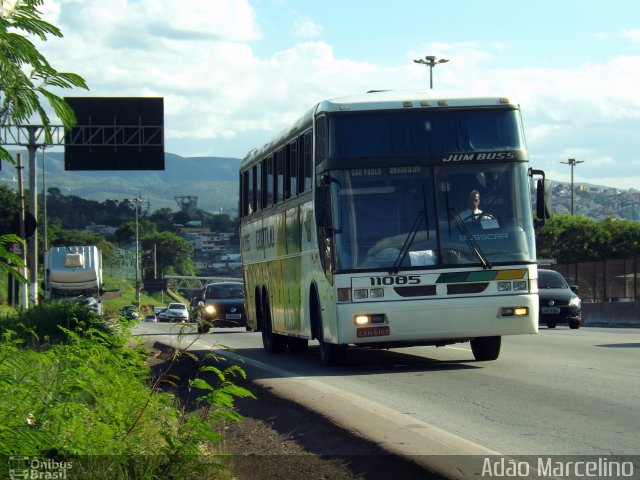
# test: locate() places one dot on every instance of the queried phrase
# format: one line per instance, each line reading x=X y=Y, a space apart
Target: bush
x=49 y=323
x=89 y=400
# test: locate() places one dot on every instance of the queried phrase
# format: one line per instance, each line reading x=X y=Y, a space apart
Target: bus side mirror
x=540 y=205
x=542 y=213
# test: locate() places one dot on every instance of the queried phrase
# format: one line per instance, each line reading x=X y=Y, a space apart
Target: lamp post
x=572 y=162
x=430 y=61
x=137 y=202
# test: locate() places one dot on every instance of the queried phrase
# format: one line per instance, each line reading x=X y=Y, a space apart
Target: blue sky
x=235 y=72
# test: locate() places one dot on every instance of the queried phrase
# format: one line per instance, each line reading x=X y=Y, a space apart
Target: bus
x=353 y=232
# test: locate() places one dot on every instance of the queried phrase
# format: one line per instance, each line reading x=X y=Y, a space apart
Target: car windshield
x=225 y=291
x=548 y=279
x=177 y=306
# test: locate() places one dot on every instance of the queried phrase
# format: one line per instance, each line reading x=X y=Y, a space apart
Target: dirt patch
x=278 y=439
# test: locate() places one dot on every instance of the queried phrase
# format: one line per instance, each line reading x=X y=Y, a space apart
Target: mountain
x=213 y=180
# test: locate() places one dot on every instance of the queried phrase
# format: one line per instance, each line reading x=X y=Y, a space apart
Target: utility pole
x=136 y=203
x=572 y=162
x=430 y=61
x=24 y=297
x=32 y=242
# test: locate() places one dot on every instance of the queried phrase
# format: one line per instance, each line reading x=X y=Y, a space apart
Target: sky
x=235 y=72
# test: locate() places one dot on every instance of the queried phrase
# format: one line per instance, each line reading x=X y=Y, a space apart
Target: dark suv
x=559 y=302
x=221 y=304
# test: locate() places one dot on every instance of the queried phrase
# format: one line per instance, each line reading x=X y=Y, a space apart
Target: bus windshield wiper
x=408 y=241
x=473 y=245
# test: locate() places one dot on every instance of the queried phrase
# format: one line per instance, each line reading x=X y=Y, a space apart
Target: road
x=561 y=392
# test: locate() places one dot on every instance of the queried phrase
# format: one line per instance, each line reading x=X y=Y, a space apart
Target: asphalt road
x=561 y=392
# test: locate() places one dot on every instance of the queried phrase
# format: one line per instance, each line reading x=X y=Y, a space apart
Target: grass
x=74 y=388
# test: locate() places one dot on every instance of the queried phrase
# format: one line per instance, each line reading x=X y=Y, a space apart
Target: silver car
x=177 y=312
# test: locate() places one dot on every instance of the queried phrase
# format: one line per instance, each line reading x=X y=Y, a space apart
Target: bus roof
x=398 y=100
x=379 y=100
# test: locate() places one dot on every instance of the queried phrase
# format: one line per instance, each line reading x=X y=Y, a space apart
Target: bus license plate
x=373 y=332
x=550 y=309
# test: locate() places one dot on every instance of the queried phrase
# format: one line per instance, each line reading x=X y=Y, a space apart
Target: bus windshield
x=422 y=216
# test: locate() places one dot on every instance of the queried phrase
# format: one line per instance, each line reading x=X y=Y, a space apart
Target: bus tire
x=331 y=354
x=272 y=342
x=486 y=348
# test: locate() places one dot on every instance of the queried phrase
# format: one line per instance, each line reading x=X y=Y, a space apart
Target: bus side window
x=292 y=172
x=308 y=161
x=279 y=171
x=270 y=181
x=257 y=175
x=321 y=139
x=244 y=188
x=250 y=191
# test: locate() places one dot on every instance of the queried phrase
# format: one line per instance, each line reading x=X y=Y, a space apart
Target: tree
x=126 y=232
x=70 y=238
x=569 y=239
x=8 y=210
x=163 y=219
x=25 y=78
x=173 y=254
x=25 y=74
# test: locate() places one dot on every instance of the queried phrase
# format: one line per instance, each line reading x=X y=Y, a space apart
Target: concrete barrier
x=611 y=314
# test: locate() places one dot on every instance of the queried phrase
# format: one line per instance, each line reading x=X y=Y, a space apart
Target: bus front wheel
x=486 y=348
x=331 y=354
x=272 y=342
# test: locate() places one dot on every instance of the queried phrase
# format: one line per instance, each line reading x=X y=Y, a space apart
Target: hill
x=214 y=180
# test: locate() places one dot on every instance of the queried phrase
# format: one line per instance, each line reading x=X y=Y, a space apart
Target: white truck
x=73 y=271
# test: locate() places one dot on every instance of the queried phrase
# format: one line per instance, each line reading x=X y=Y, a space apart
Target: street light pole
x=430 y=61
x=572 y=162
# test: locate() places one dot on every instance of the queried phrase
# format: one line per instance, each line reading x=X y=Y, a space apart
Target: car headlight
x=575 y=301
x=210 y=310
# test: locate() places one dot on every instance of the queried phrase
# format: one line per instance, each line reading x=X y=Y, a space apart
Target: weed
x=73 y=389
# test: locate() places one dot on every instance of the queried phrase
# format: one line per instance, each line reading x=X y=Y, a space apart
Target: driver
x=472 y=212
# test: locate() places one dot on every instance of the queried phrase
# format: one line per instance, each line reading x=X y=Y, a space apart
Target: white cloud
x=632 y=35
x=304 y=27
x=221 y=96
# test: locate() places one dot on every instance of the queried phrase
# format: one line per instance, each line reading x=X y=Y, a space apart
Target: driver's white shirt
x=468 y=213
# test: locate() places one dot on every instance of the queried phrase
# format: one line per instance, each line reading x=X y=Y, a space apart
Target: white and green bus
x=354 y=229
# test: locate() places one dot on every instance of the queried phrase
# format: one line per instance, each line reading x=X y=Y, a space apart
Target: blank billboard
x=115 y=133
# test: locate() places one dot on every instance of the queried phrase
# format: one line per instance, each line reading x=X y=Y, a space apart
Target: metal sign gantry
x=34 y=136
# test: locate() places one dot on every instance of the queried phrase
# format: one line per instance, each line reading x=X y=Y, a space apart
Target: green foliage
x=577 y=238
x=90 y=399
x=173 y=253
x=8 y=210
x=51 y=323
x=8 y=259
x=25 y=74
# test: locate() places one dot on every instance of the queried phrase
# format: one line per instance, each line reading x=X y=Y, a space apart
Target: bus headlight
x=520 y=286
x=360 y=293
x=504 y=286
